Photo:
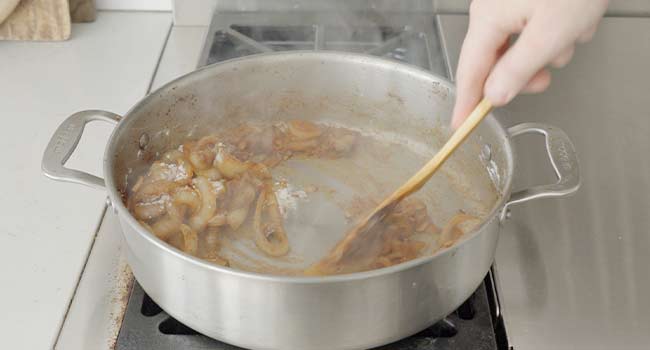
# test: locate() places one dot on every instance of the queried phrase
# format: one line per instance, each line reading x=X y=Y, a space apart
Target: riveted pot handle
x=65 y=141
x=564 y=160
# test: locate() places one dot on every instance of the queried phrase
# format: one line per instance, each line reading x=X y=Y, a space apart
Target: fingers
x=536 y=46
x=483 y=45
x=538 y=83
x=563 y=58
x=549 y=32
x=588 y=34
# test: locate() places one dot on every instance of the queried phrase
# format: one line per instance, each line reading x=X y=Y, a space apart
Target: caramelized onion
x=183 y=199
x=218 y=260
x=172 y=156
x=211 y=238
x=260 y=171
x=153 y=190
x=211 y=174
x=242 y=194
x=208 y=193
x=149 y=210
x=219 y=219
x=229 y=166
x=192 y=193
x=179 y=172
x=236 y=217
x=165 y=227
x=190 y=240
x=270 y=236
x=451 y=232
x=303 y=130
x=186 y=196
x=202 y=153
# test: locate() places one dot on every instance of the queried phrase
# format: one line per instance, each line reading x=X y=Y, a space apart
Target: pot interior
x=404 y=112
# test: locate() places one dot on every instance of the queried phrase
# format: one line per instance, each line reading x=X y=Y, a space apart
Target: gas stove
x=401 y=34
x=572 y=270
x=109 y=310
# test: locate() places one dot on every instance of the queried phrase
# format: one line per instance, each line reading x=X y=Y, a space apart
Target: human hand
x=490 y=67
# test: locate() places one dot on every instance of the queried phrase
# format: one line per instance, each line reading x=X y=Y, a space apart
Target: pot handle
x=564 y=160
x=65 y=141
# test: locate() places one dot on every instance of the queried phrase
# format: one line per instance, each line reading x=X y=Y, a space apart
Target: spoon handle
x=422 y=176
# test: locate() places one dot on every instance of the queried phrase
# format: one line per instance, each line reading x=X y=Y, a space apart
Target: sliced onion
x=190 y=240
x=212 y=242
x=237 y=217
x=303 y=130
x=137 y=184
x=260 y=171
x=270 y=236
x=180 y=172
x=219 y=219
x=211 y=173
x=187 y=196
x=202 y=153
x=172 y=156
x=183 y=198
x=242 y=194
x=201 y=159
x=148 y=211
x=451 y=232
x=151 y=191
x=229 y=166
x=218 y=260
x=208 y=194
x=165 y=227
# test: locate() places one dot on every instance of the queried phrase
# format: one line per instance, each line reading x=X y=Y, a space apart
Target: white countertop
x=46 y=227
x=94 y=318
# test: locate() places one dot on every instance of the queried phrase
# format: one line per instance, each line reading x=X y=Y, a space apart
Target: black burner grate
x=408 y=37
x=147 y=326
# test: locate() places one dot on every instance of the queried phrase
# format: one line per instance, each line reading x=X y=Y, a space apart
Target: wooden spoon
x=362 y=232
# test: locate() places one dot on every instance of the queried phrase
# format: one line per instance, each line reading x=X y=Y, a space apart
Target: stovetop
x=406 y=36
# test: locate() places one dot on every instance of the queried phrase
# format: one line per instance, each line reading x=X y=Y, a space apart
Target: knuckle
x=563 y=59
x=535 y=43
x=516 y=70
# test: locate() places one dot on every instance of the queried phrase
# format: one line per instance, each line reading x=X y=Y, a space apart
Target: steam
x=346 y=25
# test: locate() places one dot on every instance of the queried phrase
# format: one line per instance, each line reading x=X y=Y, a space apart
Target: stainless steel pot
x=353 y=311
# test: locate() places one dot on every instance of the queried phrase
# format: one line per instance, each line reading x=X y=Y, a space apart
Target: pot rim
x=414 y=71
